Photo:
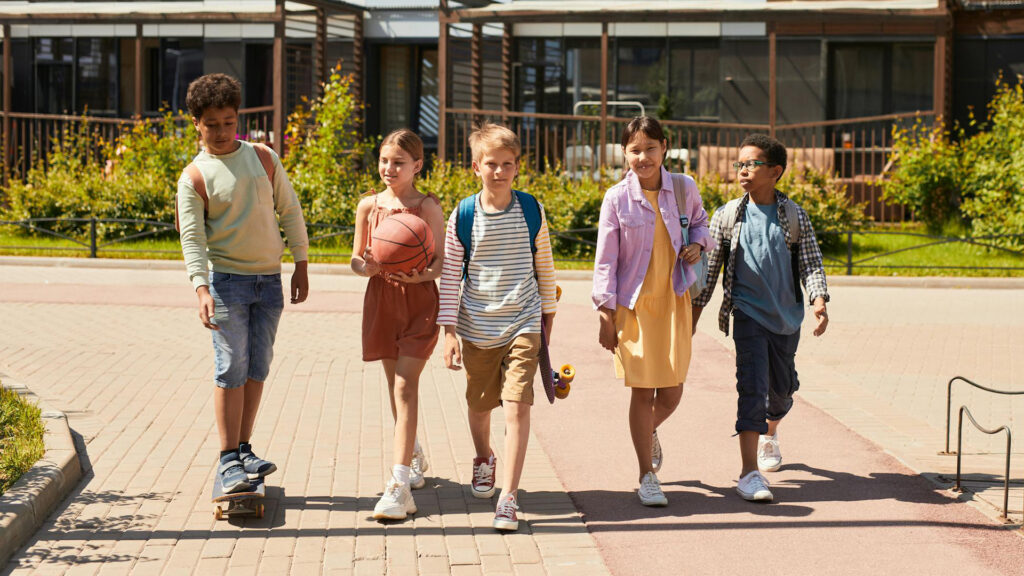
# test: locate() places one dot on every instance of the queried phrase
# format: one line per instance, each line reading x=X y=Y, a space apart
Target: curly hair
x=774 y=150
x=213 y=91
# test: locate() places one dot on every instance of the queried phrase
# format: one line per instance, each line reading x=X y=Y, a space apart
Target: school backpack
x=464 y=223
x=730 y=212
x=199 y=184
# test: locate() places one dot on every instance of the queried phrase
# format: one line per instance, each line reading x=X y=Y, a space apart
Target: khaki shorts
x=502 y=373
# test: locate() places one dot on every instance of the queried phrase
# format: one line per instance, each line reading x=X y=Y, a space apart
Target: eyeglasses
x=750 y=165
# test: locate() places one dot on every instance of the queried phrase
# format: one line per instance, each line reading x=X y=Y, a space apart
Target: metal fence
x=575 y=245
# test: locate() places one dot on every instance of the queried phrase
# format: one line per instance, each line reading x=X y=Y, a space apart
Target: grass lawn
x=937 y=260
x=21 y=437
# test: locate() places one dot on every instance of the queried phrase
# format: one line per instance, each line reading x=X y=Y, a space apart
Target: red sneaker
x=483 y=477
x=505 y=517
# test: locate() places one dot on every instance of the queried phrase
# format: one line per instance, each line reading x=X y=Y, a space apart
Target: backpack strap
x=679 y=190
x=793 y=220
x=464 y=229
x=199 y=185
x=266 y=158
x=531 y=211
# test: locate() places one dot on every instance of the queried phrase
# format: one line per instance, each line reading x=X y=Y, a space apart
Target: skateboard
x=248 y=503
x=556 y=382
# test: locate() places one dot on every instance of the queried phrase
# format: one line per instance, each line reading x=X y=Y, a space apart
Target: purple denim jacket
x=625 y=237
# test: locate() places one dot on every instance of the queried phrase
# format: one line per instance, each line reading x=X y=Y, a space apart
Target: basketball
x=402 y=243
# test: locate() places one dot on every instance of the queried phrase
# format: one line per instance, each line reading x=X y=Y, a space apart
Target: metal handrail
x=959 y=455
x=949 y=400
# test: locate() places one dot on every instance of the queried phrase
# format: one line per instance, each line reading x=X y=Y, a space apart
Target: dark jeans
x=765 y=373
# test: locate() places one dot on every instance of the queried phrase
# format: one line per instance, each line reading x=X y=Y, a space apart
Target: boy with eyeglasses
x=769 y=258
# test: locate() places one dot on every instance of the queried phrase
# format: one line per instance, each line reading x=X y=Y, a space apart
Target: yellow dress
x=655 y=336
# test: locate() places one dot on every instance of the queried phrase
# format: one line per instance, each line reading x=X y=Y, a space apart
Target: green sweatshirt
x=240 y=233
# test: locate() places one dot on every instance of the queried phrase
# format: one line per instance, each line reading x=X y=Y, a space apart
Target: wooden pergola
x=318 y=11
x=788 y=18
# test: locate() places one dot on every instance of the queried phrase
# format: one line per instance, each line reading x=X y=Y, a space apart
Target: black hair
x=213 y=91
x=774 y=151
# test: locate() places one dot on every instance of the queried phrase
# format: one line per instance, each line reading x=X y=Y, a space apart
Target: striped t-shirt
x=502 y=296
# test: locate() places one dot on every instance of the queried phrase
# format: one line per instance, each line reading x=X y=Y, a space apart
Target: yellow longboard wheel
x=567 y=373
x=259 y=510
x=218 y=513
x=558 y=293
x=562 y=390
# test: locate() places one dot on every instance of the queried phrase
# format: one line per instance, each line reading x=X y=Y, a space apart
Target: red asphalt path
x=842 y=505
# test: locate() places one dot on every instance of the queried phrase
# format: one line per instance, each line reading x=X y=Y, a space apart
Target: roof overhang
x=695 y=10
x=209 y=12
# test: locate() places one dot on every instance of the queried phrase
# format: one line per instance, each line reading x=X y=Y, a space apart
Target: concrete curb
x=1015 y=283
x=27 y=504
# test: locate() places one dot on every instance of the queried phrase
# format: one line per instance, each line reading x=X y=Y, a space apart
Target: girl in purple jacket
x=641 y=276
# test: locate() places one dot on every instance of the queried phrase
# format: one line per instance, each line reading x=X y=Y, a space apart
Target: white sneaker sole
x=759 y=496
x=417 y=482
x=662 y=502
x=773 y=468
x=482 y=495
x=393 y=514
x=505 y=525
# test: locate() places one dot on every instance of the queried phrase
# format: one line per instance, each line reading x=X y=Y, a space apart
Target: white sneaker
x=769 y=457
x=417 y=468
x=650 y=491
x=656 y=454
x=754 y=487
x=396 y=503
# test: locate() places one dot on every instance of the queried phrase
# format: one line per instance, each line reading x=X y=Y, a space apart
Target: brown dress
x=399 y=319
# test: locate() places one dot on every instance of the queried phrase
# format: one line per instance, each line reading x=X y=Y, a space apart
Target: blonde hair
x=490 y=136
x=406 y=140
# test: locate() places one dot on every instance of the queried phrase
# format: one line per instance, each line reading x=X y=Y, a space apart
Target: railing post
x=849 y=253
x=92 y=237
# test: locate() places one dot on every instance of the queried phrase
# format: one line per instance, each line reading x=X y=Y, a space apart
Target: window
x=582 y=70
x=642 y=73
x=880 y=78
x=55 y=87
x=96 y=77
x=182 y=63
x=693 y=87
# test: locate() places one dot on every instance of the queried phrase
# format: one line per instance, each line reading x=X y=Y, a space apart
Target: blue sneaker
x=255 y=466
x=232 y=475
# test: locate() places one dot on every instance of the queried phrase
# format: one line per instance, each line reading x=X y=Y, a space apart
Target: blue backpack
x=464 y=223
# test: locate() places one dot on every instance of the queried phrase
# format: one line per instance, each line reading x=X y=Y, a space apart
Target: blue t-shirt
x=763 y=288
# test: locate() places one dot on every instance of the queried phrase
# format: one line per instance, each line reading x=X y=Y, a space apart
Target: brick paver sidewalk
x=122 y=353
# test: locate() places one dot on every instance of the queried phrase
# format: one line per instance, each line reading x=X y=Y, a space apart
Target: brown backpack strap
x=266 y=158
x=199 y=185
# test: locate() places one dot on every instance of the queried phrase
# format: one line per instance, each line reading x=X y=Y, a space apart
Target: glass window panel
x=182 y=63
x=54 y=75
x=800 y=83
x=429 y=107
x=642 y=73
x=858 y=81
x=743 y=69
x=582 y=70
x=913 y=70
x=96 y=74
x=394 y=79
x=693 y=80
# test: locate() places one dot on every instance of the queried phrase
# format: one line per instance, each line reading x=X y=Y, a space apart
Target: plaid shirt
x=812 y=272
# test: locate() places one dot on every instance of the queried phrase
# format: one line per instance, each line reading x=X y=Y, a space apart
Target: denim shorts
x=765 y=373
x=247 y=310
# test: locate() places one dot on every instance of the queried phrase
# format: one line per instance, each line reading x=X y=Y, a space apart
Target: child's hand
x=821 y=314
x=300 y=282
x=608 y=337
x=413 y=278
x=452 y=352
x=206 y=307
x=690 y=254
x=370 y=266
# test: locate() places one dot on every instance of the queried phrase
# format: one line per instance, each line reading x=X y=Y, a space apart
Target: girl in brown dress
x=399 y=310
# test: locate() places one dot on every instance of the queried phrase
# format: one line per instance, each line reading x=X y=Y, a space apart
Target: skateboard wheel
x=259 y=510
x=567 y=373
x=218 y=513
x=558 y=292
x=562 y=390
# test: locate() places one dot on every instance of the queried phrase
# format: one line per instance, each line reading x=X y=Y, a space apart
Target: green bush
x=21 y=437
x=820 y=194
x=955 y=182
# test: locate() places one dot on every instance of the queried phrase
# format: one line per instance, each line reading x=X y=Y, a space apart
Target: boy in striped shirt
x=497 y=301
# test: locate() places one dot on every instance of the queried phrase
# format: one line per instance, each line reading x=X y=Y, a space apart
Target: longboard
x=247 y=503
x=556 y=383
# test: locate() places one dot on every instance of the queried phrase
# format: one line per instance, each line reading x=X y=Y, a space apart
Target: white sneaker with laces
x=656 y=454
x=417 y=468
x=769 y=457
x=650 y=491
x=754 y=487
x=396 y=503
